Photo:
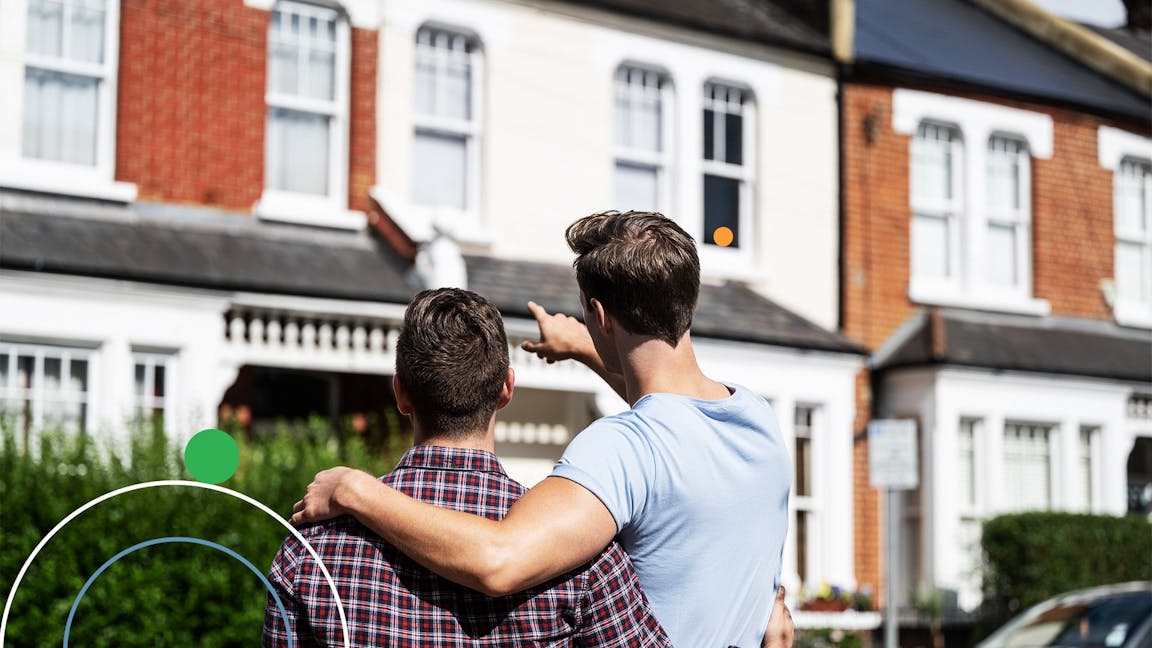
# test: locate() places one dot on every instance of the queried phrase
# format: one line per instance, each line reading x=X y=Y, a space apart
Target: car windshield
x=1104 y=622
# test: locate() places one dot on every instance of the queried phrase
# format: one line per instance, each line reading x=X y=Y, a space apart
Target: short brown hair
x=642 y=267
x=452 y=358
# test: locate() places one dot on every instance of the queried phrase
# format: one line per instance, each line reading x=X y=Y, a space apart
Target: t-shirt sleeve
x=612 y=461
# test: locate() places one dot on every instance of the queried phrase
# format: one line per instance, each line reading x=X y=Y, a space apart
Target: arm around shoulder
x=556 y=527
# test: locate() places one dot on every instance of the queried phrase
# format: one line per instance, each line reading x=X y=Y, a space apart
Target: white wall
x=547 y=143
x=113 y=318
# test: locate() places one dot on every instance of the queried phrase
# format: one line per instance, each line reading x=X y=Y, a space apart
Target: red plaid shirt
x=389 y=600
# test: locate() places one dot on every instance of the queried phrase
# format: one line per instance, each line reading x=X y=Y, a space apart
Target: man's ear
x=603 y=320
x=506 y=389
x=403 y=402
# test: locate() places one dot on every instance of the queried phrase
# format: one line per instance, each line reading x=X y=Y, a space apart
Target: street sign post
x=892 y=465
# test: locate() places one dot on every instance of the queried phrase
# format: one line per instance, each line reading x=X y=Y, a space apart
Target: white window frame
x=951 y=211
x=808 y=504
x=744 y=173
x=662 y=161
x=465 y=223
x=11 y=351
x=330 y=210
x=49 y=176
x=976 y=122
x=1089 y=502
x=143 y=404
x=1018 y=218
x=1054 y=463
x=1134 y=310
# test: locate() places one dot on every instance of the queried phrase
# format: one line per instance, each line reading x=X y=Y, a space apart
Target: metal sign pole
x=890 y=622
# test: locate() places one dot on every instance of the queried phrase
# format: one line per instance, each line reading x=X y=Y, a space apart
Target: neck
x=472 y=440
x=651 y=365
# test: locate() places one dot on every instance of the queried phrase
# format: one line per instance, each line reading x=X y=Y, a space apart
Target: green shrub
x=1030 y=557
x=165 y=595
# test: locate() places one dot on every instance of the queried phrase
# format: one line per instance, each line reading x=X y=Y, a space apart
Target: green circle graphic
x=212 y=456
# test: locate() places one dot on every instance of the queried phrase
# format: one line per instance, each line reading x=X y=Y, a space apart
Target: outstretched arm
x=556 y=527
x=563 y=337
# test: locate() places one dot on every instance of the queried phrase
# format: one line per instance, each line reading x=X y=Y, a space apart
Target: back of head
x=642 y=267
x=452 y=358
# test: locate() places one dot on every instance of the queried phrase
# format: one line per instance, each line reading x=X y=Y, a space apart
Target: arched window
x=445 y=157
x=642 y=139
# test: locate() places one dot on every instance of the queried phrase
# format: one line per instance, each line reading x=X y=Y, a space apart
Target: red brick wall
x=1072 y=246
x=362 y=113
x=191 y=112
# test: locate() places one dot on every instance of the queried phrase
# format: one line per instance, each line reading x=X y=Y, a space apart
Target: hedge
x=1030 y=557
x=169 y=594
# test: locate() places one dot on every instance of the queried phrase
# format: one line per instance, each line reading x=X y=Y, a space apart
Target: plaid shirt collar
x=433 y=457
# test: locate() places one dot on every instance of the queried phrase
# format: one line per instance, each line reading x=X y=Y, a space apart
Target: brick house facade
x=1069 y=283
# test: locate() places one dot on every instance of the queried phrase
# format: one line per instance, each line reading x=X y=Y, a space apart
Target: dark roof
x=1007 y=342
x=955 y=41
x=787 y=23
x=1139 y=42
x=148 y=244
x=728 y=311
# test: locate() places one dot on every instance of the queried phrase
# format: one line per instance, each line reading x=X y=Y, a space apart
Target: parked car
x=1111 y=616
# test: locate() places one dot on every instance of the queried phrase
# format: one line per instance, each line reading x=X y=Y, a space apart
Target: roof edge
x=1076 y=41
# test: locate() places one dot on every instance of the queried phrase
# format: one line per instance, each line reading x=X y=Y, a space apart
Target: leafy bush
x=170 y=594
x=1030 y=557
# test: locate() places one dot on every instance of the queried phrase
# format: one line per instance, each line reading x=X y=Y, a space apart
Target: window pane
x=1027 y=466
x=637 y=187
x=439 y=170
x=424 y=83
x=932 y=163
x=930 y=246
x=1004 y=175
x=1084 y=468
x=1001 y=260
x=443 y=75
x=60 y=117
x=966 y=453
x=457 y=98
x=283 y=68
x=1130 y=271
x=639 y=109
x=52 y=379
x=734 y=139
x=1132 y=197
x=710 y=127
x=298 y=150
x=321 y=74
x=141 y=380
x=803 y=466
x=79 y=375
x=802 y=545
x=86 y=42
x=45 y=27
x=721 y=207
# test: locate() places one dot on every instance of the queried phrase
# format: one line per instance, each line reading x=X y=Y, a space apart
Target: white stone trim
x=1113 y=145
x=977 y=120
x=364 y=14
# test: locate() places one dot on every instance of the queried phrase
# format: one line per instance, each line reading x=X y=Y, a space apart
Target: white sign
x=892 y=454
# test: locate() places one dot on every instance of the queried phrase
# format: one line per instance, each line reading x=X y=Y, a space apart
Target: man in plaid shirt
x=452 y=375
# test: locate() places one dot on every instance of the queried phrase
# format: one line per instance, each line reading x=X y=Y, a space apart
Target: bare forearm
x=592 y=360
x=496 y=558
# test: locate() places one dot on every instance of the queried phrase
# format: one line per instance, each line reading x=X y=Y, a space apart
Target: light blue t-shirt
x=699 y=490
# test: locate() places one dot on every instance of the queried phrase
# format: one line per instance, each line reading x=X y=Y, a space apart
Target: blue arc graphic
x=197 y=541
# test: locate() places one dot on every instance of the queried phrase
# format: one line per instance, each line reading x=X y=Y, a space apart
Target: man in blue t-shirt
x=694 y=478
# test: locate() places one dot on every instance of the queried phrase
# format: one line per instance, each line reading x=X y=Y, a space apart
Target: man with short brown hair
x=451 y=376
x=693 y=480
